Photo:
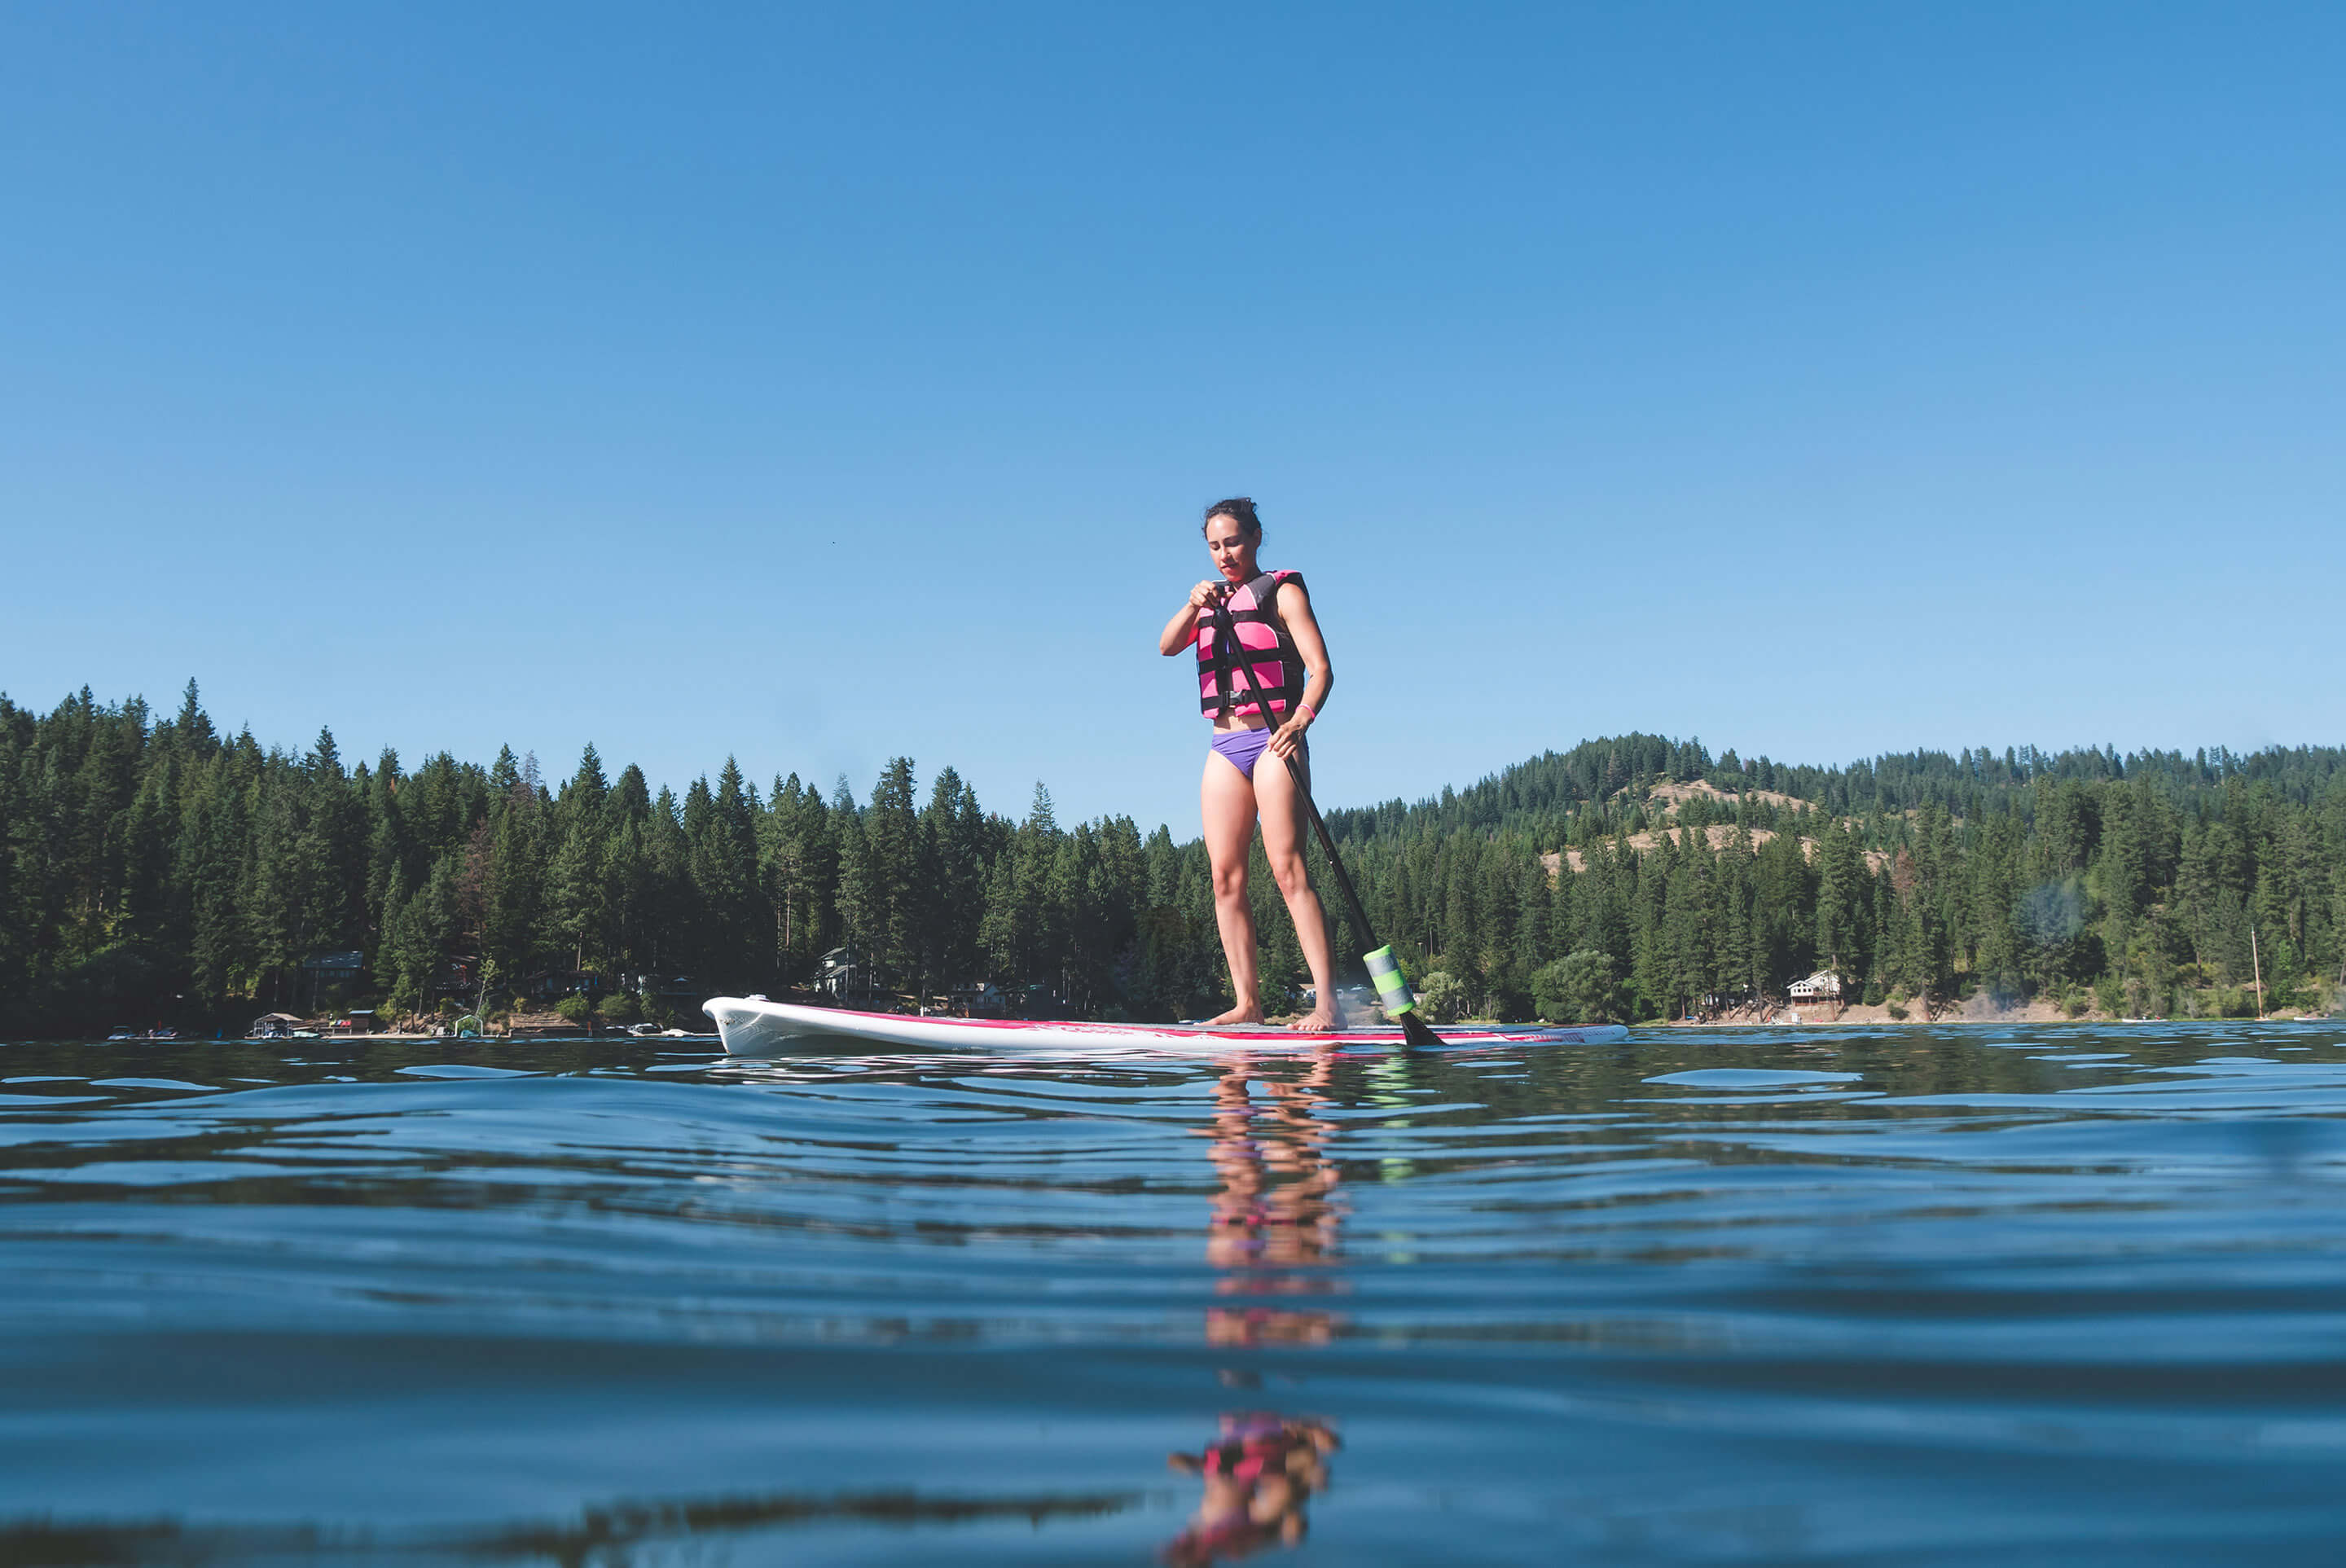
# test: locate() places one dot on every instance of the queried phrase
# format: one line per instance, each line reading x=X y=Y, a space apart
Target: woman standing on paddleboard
x=1264 y=619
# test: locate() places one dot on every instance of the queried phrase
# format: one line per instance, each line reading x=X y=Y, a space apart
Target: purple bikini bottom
x=1244 y=747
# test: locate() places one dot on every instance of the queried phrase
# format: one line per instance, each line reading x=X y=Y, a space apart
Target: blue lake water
x=2065 y=1294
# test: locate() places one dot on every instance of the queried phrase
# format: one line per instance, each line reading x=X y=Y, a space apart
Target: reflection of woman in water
x=1258 y=1478
x=1275 y=1232
x=1277 y=1218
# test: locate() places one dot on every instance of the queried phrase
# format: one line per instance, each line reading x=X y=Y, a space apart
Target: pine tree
x=901 y=879
x=514 y=890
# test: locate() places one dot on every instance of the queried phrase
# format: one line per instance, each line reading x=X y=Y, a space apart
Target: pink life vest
x=1250 y=612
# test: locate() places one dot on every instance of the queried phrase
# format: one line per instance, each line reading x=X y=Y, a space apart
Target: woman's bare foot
x=1318 y=1021
x=1244 y=1012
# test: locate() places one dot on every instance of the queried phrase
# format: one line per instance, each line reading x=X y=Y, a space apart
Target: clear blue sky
x=823 y=384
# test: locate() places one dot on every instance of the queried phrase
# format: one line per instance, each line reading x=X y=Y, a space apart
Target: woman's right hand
x=1182 y=629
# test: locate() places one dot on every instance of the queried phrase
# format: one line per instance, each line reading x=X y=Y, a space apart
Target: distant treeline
x=2153 y=884
x=160 y=867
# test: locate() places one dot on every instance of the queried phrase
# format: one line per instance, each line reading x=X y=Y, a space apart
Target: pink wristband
x=1306 y=709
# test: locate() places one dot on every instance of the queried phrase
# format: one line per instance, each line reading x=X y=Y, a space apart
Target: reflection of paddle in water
x=1258 y=1478
x=1275 y=1232
x=1277 y=1218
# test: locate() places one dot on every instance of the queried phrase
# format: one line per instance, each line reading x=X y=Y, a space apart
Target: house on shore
x=328 y=970
x=842 y=974
x=977 y=999
x=682 y=990
x=1824 y=985
x=550 y=986
x=458 y=976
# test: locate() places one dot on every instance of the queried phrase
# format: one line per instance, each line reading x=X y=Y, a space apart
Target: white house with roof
x=1823 y=985
x=843 y=973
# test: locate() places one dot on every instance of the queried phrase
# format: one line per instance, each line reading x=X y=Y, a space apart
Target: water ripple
x=1867 y=1295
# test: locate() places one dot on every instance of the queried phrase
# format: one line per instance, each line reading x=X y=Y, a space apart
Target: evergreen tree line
x=157 y=866
x=2151 y=884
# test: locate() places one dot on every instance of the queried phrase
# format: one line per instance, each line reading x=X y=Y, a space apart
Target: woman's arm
x=1319 y=675
x=1182 y=629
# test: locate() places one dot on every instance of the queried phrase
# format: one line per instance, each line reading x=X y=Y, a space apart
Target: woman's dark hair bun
x=1239 y=509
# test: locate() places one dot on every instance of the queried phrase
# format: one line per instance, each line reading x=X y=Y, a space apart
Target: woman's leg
x=1282 y=845
x=1226 y=801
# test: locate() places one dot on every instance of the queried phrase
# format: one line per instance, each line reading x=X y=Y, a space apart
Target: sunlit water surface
x=2051 y=1295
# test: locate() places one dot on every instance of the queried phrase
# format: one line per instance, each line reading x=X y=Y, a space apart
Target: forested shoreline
x=153 y=867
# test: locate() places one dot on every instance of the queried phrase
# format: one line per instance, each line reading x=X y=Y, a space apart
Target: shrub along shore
x=158 y=871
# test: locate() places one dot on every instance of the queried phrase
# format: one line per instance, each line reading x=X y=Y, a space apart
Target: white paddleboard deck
x=752 y=1026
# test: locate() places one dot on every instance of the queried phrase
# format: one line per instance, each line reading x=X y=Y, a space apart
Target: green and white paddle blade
x=1393 y=996
x=1392 y=989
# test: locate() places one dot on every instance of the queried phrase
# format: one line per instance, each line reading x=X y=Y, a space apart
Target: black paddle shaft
x=1416 y=1030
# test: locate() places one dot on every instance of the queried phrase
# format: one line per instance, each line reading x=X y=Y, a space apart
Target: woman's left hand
x=1284 y=738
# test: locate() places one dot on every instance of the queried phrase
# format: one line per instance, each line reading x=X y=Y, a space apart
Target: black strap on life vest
x=1229 y=651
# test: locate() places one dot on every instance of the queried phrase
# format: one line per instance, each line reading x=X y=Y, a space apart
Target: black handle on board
x=1413 y=1029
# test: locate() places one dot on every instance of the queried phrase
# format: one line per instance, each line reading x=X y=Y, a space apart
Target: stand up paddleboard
x=752 y=1026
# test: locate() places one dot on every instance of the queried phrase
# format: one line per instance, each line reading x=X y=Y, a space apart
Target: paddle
x=1385 y=969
